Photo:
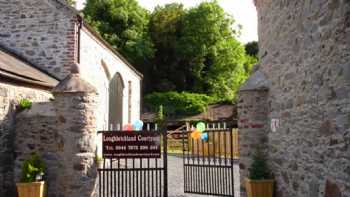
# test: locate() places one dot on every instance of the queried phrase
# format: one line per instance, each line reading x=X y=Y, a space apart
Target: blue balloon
x=205 y=136
x=138 y=125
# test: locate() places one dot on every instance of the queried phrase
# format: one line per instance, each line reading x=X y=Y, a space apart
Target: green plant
x=160 y=118
x=31 y=168
x=25 y=104
x=259 y=169
x=175 y=104
x=98 y=159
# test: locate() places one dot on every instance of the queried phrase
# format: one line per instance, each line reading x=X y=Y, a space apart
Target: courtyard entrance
x=206 y=166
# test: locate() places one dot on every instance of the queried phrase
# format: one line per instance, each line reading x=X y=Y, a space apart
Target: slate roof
x=15 y=68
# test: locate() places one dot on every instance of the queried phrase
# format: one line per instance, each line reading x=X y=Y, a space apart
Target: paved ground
x=176 y=179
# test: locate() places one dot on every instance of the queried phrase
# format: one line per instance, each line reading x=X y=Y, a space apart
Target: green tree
x=252 y=48
x=214 y=58
x=177 y=49
x=124 y=24
x=165 y=30
x=177 y=104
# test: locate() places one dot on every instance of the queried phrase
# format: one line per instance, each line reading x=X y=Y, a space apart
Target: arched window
x=116 y=87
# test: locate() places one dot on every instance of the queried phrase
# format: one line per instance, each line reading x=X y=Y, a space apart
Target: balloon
x=205 y=136
x=138 y=125
x=196 y=134
x=200 y=126
x=193 y=135
x=128 y=127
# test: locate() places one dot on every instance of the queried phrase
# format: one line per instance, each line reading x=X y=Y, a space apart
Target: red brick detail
x=257 y=126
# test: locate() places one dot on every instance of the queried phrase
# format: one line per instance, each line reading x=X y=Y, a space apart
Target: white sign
x=275 y=124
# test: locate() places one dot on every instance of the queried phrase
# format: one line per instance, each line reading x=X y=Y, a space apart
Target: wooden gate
x=134 y=175
x=208 y=164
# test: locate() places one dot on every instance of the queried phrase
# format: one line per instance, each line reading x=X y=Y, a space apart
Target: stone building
x=45 y=44
x=297 y=103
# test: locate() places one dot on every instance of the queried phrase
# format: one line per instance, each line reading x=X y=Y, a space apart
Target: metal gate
x=208 y=164
x=135 y=177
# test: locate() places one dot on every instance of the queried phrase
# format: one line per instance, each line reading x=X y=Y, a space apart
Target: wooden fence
x=216 y=142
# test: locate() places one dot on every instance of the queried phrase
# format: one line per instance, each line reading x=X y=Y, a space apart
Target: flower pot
x=34 y=189
x=261 y=188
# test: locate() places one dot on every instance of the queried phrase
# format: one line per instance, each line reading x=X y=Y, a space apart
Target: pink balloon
x=128 y=127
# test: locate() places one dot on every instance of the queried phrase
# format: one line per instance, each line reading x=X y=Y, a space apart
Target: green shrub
x=178 y=104
x=25 y=104
x=98 y=159
x=259 y=169
x=31 y=168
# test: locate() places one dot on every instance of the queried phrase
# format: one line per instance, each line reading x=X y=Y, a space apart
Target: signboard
x=275 y=124
x=129 y=144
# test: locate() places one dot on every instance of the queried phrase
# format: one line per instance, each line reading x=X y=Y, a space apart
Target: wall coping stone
x=257 y=81
x=73 y=83
x=38 y=109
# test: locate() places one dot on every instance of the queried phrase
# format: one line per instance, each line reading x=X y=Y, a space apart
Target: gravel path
x=176 y=179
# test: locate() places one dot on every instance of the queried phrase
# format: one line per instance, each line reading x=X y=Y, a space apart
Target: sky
x=243 y=11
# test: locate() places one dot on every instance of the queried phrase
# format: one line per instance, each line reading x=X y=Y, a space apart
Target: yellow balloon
x=196 y=134
x=193 y=134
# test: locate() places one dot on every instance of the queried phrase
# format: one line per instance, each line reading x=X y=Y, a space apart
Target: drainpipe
x=80 y=24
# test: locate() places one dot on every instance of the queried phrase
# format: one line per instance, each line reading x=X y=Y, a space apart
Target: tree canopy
x=177 y=49
x=124 y=24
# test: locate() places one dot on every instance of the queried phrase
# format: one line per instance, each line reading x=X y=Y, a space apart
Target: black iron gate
x=134 y=177
x=208 y=163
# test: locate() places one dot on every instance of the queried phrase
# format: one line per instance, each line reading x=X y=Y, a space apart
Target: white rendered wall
x=92 y=52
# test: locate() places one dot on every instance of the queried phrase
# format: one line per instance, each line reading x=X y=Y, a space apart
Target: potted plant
x=259 y=183
x=32 y=183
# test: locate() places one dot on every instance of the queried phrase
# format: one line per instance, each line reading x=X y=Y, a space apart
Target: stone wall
x=42 y=31
x=76 y=115
x=76 y=104
x=63 y=133
x=305 y=54
x=252 y=125
x=36 y=132
x=10 y=95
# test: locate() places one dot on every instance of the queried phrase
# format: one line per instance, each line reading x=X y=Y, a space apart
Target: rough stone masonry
x=44 y=33
x=305 y=57
x=63 y=133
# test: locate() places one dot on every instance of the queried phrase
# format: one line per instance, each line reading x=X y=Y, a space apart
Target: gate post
x=252 y=121
x=75 y=104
